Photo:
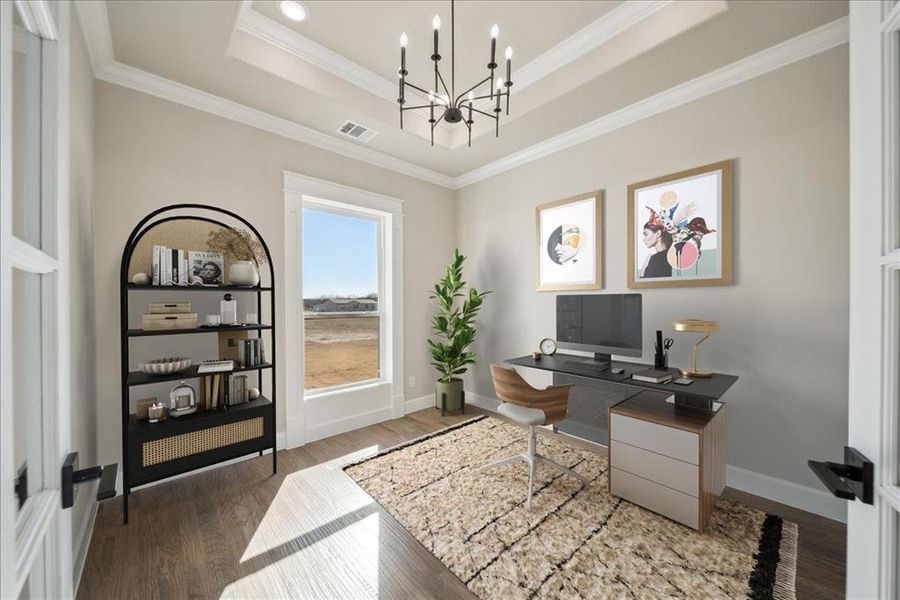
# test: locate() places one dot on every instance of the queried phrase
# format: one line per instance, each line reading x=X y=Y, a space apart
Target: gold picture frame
x=577 y=222
x=686 y=261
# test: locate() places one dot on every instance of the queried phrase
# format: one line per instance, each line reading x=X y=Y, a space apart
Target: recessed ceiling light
x=293 y=10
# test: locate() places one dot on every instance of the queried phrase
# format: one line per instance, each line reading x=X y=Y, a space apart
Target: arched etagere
x=155 y=451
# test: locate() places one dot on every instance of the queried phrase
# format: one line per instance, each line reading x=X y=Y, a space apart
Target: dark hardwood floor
x=311 y=532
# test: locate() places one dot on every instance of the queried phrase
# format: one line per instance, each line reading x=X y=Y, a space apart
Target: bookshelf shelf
x=192 y=330
x=140 y=378
x=154 y=451
x=134 y=287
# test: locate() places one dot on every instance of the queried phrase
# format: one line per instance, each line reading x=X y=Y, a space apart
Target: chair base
x=531 y=457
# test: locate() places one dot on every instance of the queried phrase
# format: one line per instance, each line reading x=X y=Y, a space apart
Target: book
x=653 y=376
x=183 y=279
x=155 y=266
x=215 y=366
x=208 y=266
x=174 y=266
x=166 y=276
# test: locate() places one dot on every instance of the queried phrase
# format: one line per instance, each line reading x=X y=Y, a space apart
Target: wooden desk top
x=652 y=407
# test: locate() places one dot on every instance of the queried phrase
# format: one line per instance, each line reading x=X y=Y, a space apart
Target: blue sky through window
x=339 y=255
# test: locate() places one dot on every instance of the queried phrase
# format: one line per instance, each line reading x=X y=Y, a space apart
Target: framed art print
x=679 y=229
x=568 y=244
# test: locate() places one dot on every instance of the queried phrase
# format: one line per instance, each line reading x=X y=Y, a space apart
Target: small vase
x=243 y=272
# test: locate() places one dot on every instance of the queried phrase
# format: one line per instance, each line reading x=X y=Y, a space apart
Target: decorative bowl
x=165 y=366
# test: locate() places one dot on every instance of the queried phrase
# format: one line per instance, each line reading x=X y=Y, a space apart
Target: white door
x=35 y=533
x=874 y=427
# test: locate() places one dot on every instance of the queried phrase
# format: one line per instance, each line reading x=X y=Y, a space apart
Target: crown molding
x=148 y=83
x=286 y=39
x=594 y=35
x=785 y=53
x=95 y=26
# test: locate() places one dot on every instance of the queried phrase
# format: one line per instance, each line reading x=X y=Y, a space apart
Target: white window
x=343 y=309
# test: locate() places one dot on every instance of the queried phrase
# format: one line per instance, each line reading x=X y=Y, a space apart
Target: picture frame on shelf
x=569 y=243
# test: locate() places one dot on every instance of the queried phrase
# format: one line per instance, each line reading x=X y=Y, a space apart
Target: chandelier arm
x=501 y=94
x=402 y=108
x=477 y=85
x=481 y=112
x=415 y=87
x=441 y=78
x=437 y=122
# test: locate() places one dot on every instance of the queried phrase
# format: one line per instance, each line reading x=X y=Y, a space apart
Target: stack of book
x=173 y=266
x=252 y=352
x=653 y=376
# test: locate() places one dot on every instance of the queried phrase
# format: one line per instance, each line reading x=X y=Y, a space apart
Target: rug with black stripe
x=576 y=541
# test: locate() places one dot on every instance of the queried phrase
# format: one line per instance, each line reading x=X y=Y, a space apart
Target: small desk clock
x=548 y=346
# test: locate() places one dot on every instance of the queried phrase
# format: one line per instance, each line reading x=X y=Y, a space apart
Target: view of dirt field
x=340 y=350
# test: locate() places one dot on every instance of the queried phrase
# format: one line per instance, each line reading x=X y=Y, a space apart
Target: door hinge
x=854 y=479
x=72 y=476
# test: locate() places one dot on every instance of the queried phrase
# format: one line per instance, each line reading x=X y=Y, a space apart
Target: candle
x=471 y=99
x=509 y=53
x=436 y=24
x=495 y=31
x=499 y=87
x=404 y=40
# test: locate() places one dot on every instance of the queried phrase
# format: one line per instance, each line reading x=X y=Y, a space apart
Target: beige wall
x=784 y=323
x=151 y=152
x=83 y=367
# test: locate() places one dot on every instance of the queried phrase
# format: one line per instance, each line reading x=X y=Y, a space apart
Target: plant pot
x=243 y=272
x=449 y=396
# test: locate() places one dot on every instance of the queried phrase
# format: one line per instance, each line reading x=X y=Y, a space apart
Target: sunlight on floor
x=319 y=538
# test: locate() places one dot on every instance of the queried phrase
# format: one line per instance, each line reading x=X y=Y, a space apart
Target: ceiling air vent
x=357 y=131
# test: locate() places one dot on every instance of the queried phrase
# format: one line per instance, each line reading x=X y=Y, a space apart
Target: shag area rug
x=576 y=542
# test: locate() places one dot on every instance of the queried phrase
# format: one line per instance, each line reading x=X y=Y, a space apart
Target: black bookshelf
x=255 y=419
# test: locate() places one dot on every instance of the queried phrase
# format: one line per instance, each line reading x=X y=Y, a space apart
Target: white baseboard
x=344 y=424
x=786 y=492
x=420 y=403
x=779 y=490
x=82 y=543
x=280 y=440
x=485 y=402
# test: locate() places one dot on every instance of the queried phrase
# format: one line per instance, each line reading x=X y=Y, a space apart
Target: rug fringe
x=785 y=586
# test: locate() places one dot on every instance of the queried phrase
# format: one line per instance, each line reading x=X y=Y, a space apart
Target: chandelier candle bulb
x=436 y=24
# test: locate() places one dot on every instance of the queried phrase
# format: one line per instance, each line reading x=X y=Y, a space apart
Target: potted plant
x=454 y=326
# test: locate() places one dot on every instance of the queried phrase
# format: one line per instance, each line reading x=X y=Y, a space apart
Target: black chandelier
x=449 y=102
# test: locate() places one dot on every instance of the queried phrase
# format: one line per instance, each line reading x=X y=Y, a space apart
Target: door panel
x=27 y=383
x=26 y=132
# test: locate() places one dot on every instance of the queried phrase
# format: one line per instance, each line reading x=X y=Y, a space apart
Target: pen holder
x=661 y=361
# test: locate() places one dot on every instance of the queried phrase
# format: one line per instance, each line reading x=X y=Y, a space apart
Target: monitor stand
x=601 y=361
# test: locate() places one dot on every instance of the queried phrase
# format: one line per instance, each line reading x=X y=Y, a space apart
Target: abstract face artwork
x=679 y=228
x=564 y=243
x=568 y=243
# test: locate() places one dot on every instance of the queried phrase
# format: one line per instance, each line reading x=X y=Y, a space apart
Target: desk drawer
x=669 y=472
x=658 y=498
x=683 y=445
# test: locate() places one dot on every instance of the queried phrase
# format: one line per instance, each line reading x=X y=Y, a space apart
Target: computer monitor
x=604 y=324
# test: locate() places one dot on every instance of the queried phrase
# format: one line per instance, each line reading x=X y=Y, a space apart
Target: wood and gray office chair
x=530 y=408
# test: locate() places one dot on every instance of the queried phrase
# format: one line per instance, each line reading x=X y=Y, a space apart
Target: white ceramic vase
x=243 y=272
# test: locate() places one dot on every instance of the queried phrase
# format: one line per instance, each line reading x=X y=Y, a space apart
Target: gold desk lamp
x=696 y=326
